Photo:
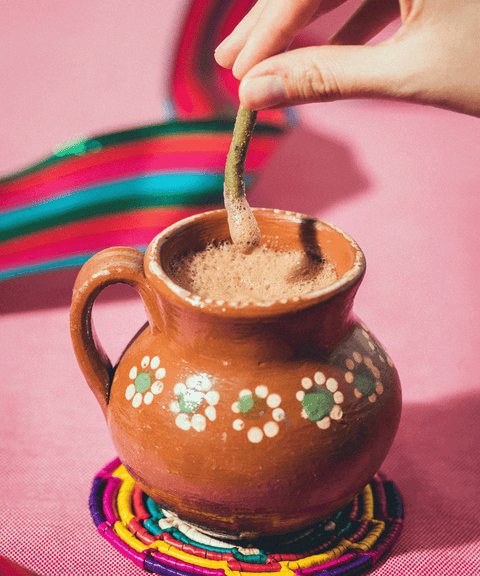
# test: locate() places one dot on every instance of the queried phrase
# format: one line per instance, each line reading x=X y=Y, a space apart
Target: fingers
x=271 y=25
x=267 y=30
x=326 y=73
x=227 y=52
x=434 y=58
x=366 y=22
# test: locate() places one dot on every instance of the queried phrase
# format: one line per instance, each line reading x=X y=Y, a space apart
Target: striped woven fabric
x=122 y=188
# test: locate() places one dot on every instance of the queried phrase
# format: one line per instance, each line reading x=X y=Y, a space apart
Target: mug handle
x=110 y=266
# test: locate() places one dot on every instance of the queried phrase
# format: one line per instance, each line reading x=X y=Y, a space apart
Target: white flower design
x=253 y=405
x=147 y=381
x=190 y=397
x=320 y=400
x=365 y=376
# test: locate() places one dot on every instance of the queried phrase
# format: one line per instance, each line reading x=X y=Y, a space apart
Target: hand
x=434 y=57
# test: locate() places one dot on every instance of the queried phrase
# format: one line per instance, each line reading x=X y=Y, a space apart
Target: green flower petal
x=246 y=403
x=142 y=382
x=365 y=382
x=318 y=404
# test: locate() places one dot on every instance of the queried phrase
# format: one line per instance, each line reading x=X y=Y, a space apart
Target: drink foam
x=224 y=273
x=242 y=224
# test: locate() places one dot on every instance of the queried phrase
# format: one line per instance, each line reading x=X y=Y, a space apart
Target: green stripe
x=79 y=146
x=63 y=263
x=153 y=191
x=52 y=264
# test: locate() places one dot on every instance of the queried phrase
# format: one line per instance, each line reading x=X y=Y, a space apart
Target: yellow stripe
x=206 y=563
x=120 y=472
x=162 y=546
x=284 y=571
x=332 y=554
x=335 y=553
x=128 y=538
x=368 y=504
x=370 y=539
x=287 y=567
x=125 y=511
x=124 y=499
x=189 y=558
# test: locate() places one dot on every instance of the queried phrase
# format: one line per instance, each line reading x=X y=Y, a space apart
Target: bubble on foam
x=222 y=273
x=242 y=224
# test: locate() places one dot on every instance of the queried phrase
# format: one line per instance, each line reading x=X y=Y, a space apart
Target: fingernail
x=262 y=91
x=219 y=47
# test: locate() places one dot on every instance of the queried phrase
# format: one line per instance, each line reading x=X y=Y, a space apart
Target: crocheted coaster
x=350 y=542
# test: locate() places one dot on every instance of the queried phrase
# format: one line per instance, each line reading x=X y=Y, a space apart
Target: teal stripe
x=180 y=536
x=155 y=190
x=79 y=146
x=52 y=265
x=154 y=509
x=152 y=526
x=250 y=558
x=45 y=266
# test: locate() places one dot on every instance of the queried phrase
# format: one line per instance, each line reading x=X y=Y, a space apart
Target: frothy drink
x=242 y=224
x=224 y=273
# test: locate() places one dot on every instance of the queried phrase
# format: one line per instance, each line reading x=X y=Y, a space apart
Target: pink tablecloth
x=402 y=180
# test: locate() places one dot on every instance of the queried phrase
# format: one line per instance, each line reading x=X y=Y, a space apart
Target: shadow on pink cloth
x=47 y=290
x=435 y=462
x=309 y=172
x=9 y=568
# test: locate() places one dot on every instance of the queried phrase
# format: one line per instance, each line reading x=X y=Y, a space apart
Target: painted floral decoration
x=374 y=346
x=191 y=399
x=147 y=381
x=320 y=400
x=365 y=377
x=252 y=406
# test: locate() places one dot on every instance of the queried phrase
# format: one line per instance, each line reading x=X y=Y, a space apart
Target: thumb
x=326 y=73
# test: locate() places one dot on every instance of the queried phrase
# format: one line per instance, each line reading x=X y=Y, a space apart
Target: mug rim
x=160 y=280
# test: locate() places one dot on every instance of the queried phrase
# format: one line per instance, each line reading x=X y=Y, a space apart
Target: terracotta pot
x=246 y=420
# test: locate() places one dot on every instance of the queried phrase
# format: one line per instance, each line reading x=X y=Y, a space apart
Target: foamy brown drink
x=224 y=273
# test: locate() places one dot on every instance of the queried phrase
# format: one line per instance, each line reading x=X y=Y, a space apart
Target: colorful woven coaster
x=350 y=542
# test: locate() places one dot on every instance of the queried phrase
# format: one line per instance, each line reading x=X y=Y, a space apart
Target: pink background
x=403 y=180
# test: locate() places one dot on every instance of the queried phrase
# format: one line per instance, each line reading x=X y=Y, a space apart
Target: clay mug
x=246 y=420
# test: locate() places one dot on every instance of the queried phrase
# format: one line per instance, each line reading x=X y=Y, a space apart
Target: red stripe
x=133 y=228
x=140 y=511
x=189 y=95
x=238 y=566
x=225 y=80
x=171 y=143
x=128 y=161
